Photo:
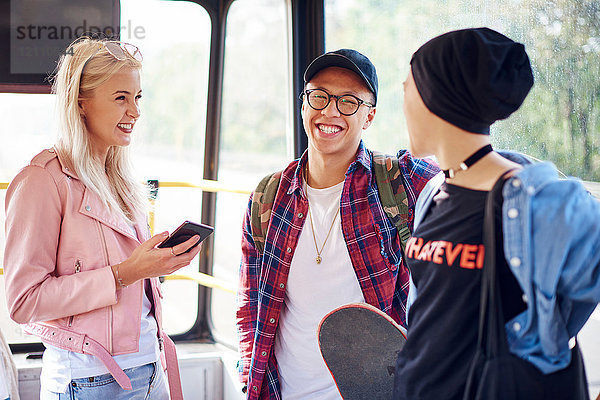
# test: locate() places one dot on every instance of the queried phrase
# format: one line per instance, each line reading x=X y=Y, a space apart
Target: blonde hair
x=85 y=66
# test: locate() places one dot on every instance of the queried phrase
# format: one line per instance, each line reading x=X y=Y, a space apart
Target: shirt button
x=51 y=150
x=531 y=190
x=289 y=250
x=516 y=182
x=88 y=208
x=264 y=353
x=272 y=320
x=525 y=299
x=515 y=262
x=300 y=215
x=516 y=327
x=254 y=388
x=282 y=285
x=513 y=213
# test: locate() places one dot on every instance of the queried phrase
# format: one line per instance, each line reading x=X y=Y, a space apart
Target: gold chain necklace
x=319 y=259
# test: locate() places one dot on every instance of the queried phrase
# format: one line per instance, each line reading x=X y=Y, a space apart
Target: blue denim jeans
x=148 y=383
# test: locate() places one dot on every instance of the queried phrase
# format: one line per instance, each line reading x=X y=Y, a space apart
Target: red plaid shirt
x=373 y=245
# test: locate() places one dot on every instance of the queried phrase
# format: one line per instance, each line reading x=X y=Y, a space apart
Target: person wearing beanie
x=546 y=233
x=328 y=242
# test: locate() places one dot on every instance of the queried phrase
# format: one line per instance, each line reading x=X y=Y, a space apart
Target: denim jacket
x=552 y=245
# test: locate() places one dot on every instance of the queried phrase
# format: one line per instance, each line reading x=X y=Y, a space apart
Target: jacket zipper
x=110 y=310
x=156 y=298
x=77 y=270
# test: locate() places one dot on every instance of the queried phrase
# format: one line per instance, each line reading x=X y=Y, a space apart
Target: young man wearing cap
x=547 y=234
x=329 y=241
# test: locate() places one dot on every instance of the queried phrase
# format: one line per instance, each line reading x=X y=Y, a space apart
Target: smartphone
x=186 y=231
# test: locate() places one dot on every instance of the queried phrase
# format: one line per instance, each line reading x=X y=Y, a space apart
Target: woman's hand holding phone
x=150 y=260
x=184 y=232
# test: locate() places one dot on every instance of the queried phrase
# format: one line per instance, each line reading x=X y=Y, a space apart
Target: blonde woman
x=81 y=270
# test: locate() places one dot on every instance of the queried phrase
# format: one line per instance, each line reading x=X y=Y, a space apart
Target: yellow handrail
x=204 y=280
x=207 y=186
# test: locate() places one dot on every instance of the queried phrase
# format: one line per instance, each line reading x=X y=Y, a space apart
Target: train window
x=558 y=120
x=174 y=38
x=254 y=131
x=170 y=143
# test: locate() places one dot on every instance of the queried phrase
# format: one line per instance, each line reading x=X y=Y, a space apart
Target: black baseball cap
x=348 y=59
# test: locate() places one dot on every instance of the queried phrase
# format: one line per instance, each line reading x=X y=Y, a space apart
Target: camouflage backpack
x=389 y=185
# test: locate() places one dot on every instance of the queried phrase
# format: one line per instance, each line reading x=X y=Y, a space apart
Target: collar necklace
x=472 y=159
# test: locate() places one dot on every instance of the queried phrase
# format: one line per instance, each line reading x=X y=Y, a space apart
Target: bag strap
x=260 y=211
x=392 y=194
x=491 y=326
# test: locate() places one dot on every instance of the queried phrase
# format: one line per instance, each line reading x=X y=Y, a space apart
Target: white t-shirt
x=312 y=291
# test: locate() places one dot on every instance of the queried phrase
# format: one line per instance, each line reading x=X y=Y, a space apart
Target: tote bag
x=495 y=373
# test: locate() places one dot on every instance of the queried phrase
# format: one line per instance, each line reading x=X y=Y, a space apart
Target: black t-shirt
x=445 y=257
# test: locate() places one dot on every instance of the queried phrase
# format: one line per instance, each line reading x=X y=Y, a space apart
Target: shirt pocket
x=389 y=247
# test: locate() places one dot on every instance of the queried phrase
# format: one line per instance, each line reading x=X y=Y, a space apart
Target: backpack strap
x=262 y=204
x=393 y=197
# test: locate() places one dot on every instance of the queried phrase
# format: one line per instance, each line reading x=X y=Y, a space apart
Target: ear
x=370 y=117
x=81 y=105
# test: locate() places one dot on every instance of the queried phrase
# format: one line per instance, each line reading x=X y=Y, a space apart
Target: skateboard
x=360 y=344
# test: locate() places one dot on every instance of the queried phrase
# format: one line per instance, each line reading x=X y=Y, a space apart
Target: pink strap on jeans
x=172 y=368
x=94 y=348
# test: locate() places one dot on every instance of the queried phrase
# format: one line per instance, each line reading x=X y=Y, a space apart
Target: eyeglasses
x=117 y=50
x=347 y=104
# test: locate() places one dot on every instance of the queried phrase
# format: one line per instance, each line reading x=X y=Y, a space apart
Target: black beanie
x=472 y=77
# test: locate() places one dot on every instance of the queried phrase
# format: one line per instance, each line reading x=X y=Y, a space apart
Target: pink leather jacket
x=60 y=245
